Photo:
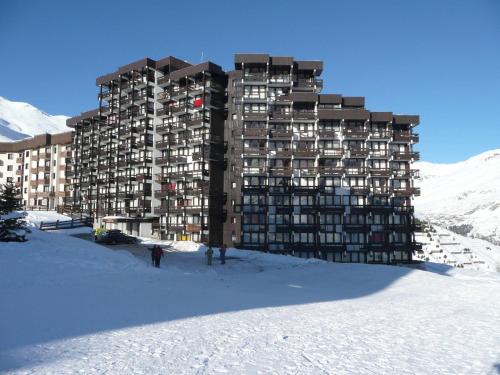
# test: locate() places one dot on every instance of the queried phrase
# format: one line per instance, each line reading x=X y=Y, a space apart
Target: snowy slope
x=21 y=120
x=464 y=196
x=446 y=247
x=70 y=306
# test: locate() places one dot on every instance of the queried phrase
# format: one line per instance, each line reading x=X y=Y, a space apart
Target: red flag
x=198 y=102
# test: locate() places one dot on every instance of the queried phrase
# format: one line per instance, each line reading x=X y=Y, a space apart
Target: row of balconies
x=337 y=152
x=328 y=134
x=311 y=190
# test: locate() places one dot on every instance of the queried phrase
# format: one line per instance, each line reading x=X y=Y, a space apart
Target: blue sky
x=439 y=59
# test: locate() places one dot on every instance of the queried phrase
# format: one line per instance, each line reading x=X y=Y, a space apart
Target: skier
x=222 y=251
x=157 y=254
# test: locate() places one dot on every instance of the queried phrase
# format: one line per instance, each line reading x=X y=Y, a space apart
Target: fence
x=67 y=224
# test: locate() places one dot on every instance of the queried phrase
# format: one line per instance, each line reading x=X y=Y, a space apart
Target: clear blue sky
x=439 y=59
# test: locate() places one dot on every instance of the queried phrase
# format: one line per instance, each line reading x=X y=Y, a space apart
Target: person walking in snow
x=157 y=254
x=222 y=252
x=209 y=253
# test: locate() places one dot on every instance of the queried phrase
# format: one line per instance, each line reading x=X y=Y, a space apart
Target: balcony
x=402 y=136
x=305 y=153
x=308 y=82
x=355 y=171
x=359 y=190
x=256 y=133
x=406 y=156
x=358 y=152
x=380 y=135
x=200 y=155
x=331 y=170
x=162 y=112
x=304 y=114
x=280 y=171
x=275 y=133
x=162 y=145
x=328 y=134
x=177 y=159
x=161 y=161
x=382 y=154
x=355 y=134
x=142 y=177
x=406 y=192
x=197 y=121
x=280 y=78
x=303 y=172
x=280 y=115
x=254 y=170
x=331 y=152
x=379 y=172
x=255 y=77
x=143 y=143
x=163 y=80
x=254 y=151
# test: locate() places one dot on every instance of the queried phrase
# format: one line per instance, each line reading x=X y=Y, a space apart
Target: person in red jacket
x=156 y=255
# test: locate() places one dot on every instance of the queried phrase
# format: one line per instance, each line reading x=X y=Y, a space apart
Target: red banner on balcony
x=198 y=102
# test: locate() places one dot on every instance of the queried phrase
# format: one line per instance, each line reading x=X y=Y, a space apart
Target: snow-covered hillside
x=463 y=197
x=21 y=120
x=71 y=306
x=446 y=247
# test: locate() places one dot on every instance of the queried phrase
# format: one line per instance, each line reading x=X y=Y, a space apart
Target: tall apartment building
x=37 y=167
x=315 y=174
x=158 y=128
x=256 y=157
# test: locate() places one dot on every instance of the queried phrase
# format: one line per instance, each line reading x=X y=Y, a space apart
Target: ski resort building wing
x=257 y=157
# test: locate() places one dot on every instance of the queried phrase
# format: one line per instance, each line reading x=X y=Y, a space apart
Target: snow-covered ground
x=71 y=306
x=446 y=247
x=464 y=196
x=20 y=120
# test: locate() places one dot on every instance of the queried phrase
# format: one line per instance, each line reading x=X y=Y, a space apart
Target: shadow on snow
x=102 y=300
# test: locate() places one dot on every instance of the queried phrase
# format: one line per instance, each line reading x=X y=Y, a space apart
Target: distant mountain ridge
x=20 y=120
x=463 y=197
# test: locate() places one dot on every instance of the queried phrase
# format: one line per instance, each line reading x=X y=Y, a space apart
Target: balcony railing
x=331 y=170
x=255 y=77
x=255 y=151
x=355 y=134
x=281 y=133
x=382 y=172
x=406 y=155
x=331 y=152
x=280 y=171
x=305 y=153
x=329 y=134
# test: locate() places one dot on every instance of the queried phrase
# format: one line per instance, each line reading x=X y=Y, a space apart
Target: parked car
x=115 y=236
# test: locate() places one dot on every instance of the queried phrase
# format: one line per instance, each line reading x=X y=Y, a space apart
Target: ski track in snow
x=70 y=306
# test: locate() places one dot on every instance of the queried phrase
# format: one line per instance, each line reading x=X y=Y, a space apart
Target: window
x=10 y=168
x=27 y=153
x=10 y=156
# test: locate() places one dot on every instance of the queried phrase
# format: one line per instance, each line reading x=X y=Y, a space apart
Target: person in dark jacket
x=157 y=254
x=222 y=251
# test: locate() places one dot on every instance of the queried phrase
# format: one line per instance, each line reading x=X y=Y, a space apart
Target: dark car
x=115 y=236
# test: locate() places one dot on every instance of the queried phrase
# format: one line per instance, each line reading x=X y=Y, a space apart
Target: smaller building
x=37 y=166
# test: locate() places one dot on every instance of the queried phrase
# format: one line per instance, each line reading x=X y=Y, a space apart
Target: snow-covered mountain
x=463 y=197
x=20 y=120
